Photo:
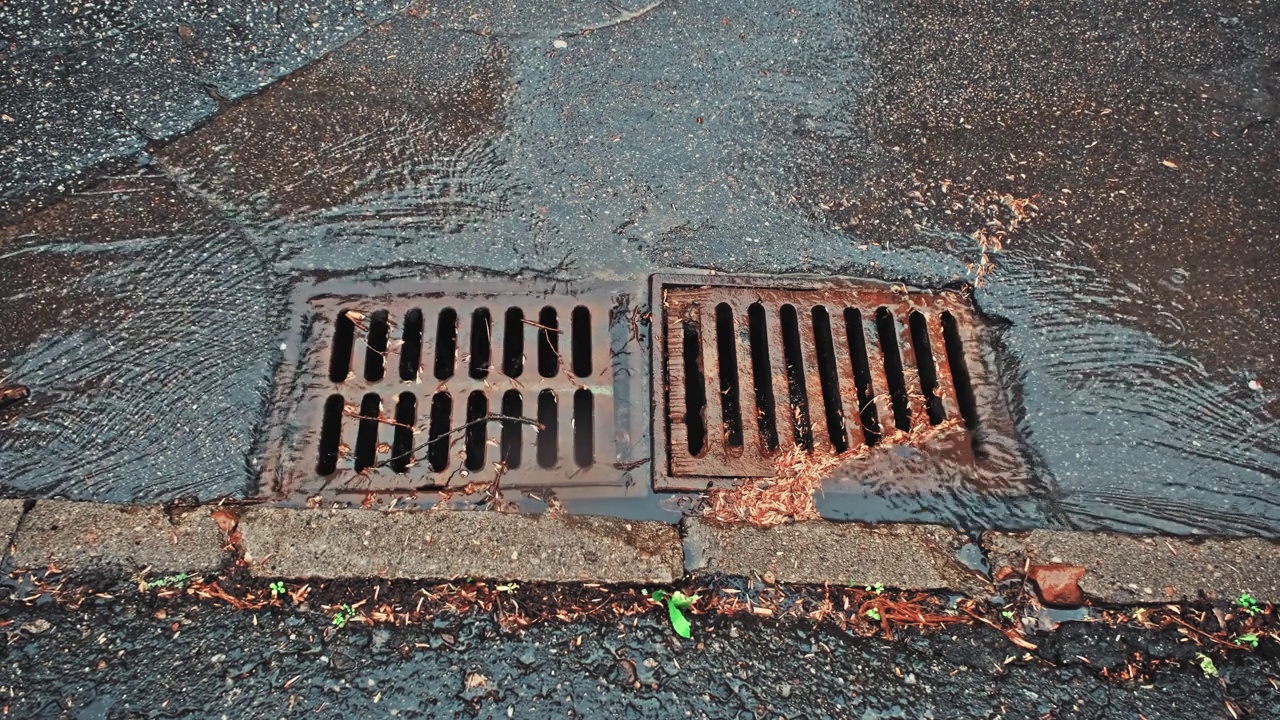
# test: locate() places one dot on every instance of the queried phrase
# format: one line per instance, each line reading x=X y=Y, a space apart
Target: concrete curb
x=914 y=557
x=1127 y=569
x=82 y=537
x=117 y=538
x=281 y=542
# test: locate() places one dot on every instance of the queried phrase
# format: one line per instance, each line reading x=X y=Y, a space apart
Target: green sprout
x=1207 y=666
x=508 y=588
x=873 y=613
x=277 y=589
x=1248 y=604
x=344 y=614
x=677 y=602
x=1251 y=640
x=178 y=580
x=877 y=588
x=1006 y=614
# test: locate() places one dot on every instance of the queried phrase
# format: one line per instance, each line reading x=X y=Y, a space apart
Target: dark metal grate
x=422 y=391
x=754 y=367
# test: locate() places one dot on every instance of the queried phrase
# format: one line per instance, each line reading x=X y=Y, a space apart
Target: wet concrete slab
x=145 y=325
x=1125 y=569
x=448 y=545
x=95 y=537
x=915 y=557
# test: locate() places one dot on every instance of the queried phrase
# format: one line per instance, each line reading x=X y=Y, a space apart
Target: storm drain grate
x=421 y=391
x=756 y=367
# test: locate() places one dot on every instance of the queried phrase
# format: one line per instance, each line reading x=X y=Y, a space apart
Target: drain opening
x=887 y=330
x=344 y=338
x=481 y=332
x=446 y=343
x=387 y=347
x=959 y=371
x=924 y=364
x=548 y=419
x=762 y=375
x=862 y=376
x=584 y=442
x=580 y=321
x=438 y=431
x=477 y=430
x=402 y=440
x=795 y=376
x=727 y=368
x=513 y=343
x=695 y=388
x=375 y=355
x=825 y=349
x=512 y=440
x=824 y=354
x=330 y=435
x=367 y=435
x=411 y=345
x=548 y=342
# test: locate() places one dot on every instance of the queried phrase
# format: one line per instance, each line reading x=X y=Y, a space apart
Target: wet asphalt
x=131 y=658
x=173 y=174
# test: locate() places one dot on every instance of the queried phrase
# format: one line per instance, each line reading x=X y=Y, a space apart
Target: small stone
x=186 y=32
x=559 y=44
x=37 y=626
x=733 y=632
x=784 y=690
x=1059 y=584
x=910 y=679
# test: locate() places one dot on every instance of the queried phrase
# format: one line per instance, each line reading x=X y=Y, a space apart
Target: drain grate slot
x=548 y=342
x=481 y=337
x=755 y=367
x=727 y=369
x=824 y=347
x=895 y=378
x=438 y=430
x=402 y=445
x=411 y=345
x=854 y=331
x=446 y=343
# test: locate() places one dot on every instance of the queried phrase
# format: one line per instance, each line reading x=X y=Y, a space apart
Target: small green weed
x=1251 y=640
x=277 y=589
x=873 y=613
x=508 y=588
x=1248 y=604
x=1006 y=614
x=344 y=614
x=677 y=602
x=179 y=580
x=877 y=588
x=1207 y=666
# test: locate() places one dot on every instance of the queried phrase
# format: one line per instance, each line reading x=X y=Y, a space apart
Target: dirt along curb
x=1068 y=567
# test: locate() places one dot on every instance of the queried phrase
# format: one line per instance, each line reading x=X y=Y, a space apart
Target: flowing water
x=147 y=306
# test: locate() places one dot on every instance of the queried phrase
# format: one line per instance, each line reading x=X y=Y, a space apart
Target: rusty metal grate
x=417 y=391
x=756 y=366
